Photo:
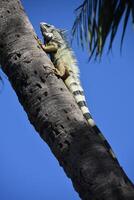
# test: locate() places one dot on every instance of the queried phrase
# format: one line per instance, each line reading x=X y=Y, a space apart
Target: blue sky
x=28 y=170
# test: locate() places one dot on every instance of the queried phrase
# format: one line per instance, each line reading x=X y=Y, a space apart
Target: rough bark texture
x=54 y=114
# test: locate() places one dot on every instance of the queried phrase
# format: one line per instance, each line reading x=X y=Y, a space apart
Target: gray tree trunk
x=53 y=112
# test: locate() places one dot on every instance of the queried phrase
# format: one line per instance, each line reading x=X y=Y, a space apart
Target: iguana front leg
x=49 y=48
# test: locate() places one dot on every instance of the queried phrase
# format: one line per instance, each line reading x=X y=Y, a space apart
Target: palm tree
x=97 y=19
x=53 y=112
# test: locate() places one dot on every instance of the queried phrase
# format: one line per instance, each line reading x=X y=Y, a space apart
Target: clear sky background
x=28 y=169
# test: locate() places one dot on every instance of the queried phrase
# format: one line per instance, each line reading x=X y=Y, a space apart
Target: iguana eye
x=47 y=25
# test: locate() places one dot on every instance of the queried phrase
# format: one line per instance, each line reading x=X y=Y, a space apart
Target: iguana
x=66 y=67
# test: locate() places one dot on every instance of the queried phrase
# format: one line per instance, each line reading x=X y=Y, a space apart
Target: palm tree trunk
x=53 y=112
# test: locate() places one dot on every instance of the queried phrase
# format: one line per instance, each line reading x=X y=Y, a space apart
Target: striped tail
x=77 y=91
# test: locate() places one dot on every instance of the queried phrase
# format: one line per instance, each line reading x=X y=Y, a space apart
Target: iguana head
x=51 y=33
x=47 y=30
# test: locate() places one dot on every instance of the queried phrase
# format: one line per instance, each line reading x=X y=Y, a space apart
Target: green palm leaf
x=97 y=19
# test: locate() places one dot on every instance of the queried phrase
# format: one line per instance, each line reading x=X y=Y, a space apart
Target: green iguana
x=66 y=67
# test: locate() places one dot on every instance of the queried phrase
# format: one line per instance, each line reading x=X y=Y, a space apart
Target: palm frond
x=1 y=83
x=97 y=19
x=116 y=20
x=125 y=23
x=132 y=11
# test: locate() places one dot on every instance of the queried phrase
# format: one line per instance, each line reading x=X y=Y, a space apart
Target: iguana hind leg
x=61 y=71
